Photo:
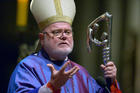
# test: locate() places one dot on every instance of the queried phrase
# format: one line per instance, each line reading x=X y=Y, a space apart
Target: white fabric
x=44 y=89
x=68 y=7
x=43 y=9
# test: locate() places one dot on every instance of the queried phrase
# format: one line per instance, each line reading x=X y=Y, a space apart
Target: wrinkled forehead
x=58 y=25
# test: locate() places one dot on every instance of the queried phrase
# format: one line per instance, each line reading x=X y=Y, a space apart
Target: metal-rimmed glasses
x=59 y=33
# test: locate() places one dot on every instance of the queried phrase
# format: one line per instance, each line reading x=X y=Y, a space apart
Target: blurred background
x=19 y=34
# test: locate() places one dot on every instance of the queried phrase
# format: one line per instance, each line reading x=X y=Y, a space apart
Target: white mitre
x=50 y=11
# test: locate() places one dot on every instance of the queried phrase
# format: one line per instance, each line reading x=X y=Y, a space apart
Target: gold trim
x=58 y=7
x=54 y=19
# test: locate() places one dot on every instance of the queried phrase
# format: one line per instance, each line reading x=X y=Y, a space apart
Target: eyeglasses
x=59 y=33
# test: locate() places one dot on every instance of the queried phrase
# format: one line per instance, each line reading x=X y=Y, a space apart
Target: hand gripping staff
x=105 y=42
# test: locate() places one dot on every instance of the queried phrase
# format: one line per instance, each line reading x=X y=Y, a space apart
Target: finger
x=51 y=67
x=109 y=68
x=108 y=72
x=110 y=63
x=110 y=76
x=73 y=70
x=65 y=65
x=102 y=66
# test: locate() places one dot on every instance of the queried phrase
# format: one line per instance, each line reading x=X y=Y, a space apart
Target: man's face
x=58 y=40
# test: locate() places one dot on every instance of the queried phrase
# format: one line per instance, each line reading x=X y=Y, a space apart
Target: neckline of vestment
x=46 y=56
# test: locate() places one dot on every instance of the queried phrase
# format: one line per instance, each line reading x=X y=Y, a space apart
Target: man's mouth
x=63 y=43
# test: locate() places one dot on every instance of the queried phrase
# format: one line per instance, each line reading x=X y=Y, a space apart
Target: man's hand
x=109 y=70
x=59 y=78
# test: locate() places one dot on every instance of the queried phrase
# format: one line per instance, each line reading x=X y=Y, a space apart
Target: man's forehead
x=59 y=25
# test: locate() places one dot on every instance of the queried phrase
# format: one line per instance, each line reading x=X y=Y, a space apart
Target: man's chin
x=63 y=51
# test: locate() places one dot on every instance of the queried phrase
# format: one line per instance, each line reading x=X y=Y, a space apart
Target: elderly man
x=50 y=70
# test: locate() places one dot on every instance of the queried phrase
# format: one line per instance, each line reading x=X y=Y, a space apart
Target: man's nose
x=63 y=36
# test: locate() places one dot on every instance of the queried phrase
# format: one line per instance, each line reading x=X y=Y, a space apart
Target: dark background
x=125 y=43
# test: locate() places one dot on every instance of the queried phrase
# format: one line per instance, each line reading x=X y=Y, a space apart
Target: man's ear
x=41 y=36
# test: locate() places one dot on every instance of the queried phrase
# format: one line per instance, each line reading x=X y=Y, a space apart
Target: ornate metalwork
x=106 y=37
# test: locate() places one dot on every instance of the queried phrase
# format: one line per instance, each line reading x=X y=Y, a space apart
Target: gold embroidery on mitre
x=54 y=19
x=58 y=7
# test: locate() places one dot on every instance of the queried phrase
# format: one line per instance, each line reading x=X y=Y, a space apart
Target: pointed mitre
x=47 y=12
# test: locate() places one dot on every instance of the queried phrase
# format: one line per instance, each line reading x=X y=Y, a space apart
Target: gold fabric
x=58 y=8
x=54 y=19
